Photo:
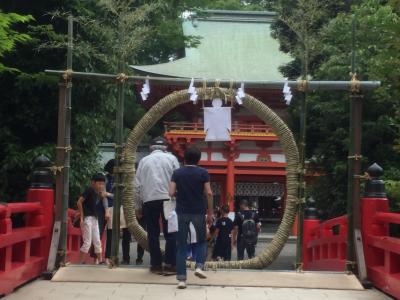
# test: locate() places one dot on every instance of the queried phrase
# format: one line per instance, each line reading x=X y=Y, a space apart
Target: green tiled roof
x=234 y=46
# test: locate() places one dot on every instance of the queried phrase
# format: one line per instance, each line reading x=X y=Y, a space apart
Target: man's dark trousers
x=152 y=211
x=241 y=246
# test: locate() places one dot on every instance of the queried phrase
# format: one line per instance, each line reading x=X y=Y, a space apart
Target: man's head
x=159 y=143
x=98 y=182
x=109 y=167
x=192 y=156
x=225 y=209
x=244 y=204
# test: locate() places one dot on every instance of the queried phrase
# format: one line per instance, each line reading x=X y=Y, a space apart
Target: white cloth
x=153 y=176
x=168 y=207
x=172 y=222
x=90 y=234
x=192 y=236
x=217 y=123
x=122 y=222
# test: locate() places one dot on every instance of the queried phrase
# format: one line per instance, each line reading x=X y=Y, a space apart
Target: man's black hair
x=192 y=156
x=109 y=167
x=98 y=177
x=244 y=202
x=225 y=209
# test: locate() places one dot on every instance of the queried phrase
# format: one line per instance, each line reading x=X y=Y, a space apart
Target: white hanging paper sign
x=193 y=97
x=144 y=96
x=217 y=122
x=240 y=94
x=287 y=93
x=288 y=98
x=145 y=90
x=286 y=88
x=191 y=88
x=239 y=100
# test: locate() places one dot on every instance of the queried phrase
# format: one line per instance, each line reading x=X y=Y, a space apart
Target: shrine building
x=235 y=46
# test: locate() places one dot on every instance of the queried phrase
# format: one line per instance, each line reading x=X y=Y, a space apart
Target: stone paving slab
x=231 y=278
x=46 y=290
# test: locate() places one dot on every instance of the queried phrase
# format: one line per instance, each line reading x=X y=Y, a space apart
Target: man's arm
x=209 y=195
x=258 y=223
x=234 y=235
x=172 y=189
x=80 y=207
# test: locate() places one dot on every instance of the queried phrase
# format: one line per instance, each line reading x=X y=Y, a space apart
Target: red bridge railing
x=73 y=239
x=324 y=244
x=24 y=250
x=382 y=251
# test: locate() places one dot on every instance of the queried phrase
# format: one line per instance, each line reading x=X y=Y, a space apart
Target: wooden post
x=355 y=250
x=118 y=176
x=63 y=150
x=302 y=184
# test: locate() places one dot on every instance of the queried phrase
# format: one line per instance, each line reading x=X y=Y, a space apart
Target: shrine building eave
x=234 y=45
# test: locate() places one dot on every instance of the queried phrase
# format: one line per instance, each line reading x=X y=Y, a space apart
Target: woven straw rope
x=272 y=250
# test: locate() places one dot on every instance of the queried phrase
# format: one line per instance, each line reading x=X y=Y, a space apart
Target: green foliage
x=393 y=193
x=377 y=58
x=104 y=34
x=10 y=37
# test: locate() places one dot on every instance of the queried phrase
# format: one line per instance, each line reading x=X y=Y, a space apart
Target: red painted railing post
x=382 y=251
x=41 y=190
x=373 y=201
x=310 y=223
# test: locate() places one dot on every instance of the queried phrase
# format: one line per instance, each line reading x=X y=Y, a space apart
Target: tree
x=328 y=116
x=10 y=37
x=377 y=59
x=28 y=107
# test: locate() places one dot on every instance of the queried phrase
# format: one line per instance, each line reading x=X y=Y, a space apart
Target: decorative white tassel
x=240 y=94
x=287 y=93
x=191 y=88
x=145 y=90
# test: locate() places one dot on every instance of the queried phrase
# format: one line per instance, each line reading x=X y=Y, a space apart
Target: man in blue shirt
x=189 y=184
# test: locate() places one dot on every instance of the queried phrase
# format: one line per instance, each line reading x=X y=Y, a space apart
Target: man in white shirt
x=152 y=180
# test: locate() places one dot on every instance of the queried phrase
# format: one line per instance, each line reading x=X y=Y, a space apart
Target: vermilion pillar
x=230 y=184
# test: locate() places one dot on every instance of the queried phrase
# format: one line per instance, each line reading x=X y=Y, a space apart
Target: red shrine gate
x=251 y=165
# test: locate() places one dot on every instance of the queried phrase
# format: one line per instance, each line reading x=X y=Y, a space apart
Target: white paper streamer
x=287 y=93
x=145 y=90
x=240 y=94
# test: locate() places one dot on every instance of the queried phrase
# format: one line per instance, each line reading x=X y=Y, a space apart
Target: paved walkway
x=46 y=290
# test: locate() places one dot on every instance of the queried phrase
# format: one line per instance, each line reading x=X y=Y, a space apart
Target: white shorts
x=90 y=234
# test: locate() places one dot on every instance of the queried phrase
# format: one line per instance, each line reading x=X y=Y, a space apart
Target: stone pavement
x=285 y=261
x=46 y=290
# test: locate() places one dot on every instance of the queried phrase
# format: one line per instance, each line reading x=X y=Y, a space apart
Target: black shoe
x=125 y=262
x=169 y=270
x=139 y=261
x=156 y=270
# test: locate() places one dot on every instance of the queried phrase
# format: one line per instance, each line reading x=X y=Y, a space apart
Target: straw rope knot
x=302 y=85
x=354 y=83
x=55 y=169
x=66 y=149
x=122 y=77
x=67 y=75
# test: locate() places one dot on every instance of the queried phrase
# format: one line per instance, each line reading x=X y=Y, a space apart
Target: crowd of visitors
x=177 y=199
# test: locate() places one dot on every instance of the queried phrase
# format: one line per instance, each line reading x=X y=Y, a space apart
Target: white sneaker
x=182 y=285
x=199 y=273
